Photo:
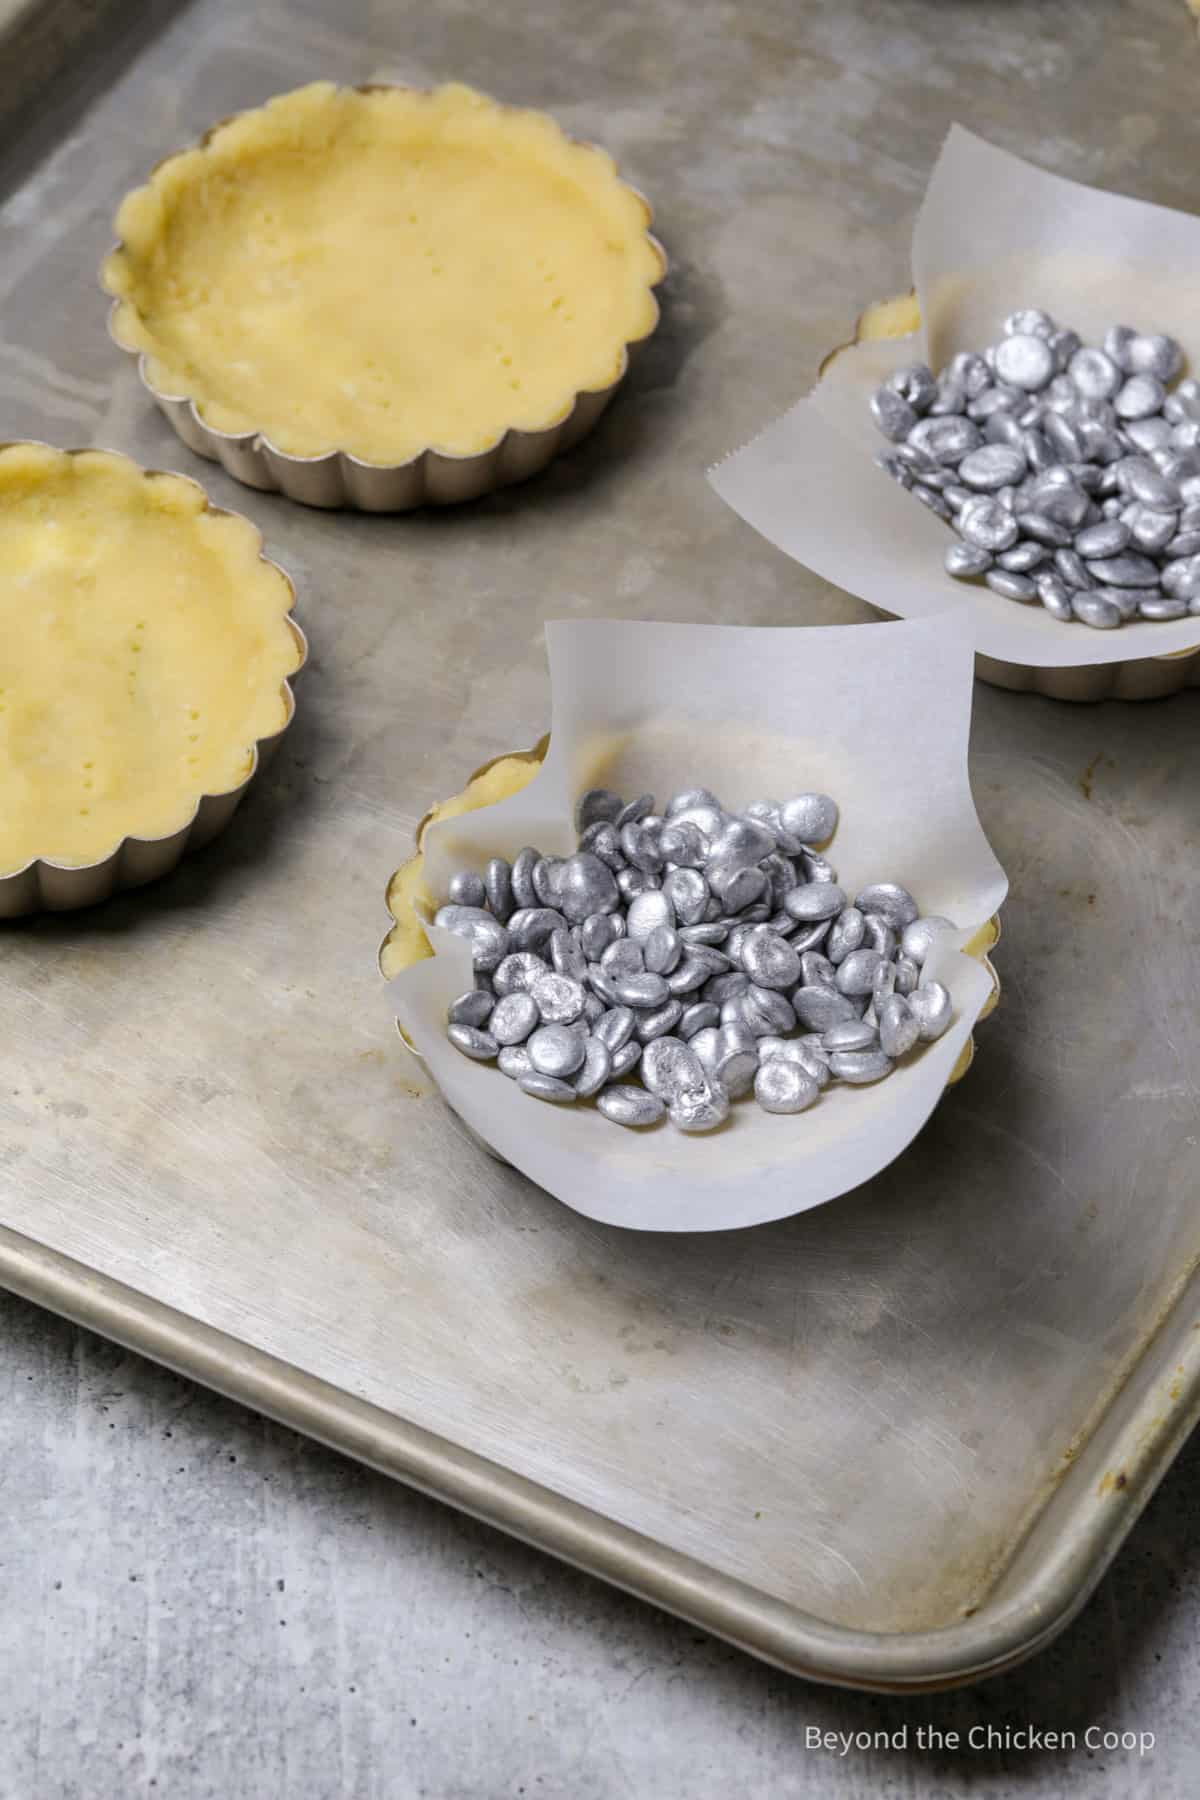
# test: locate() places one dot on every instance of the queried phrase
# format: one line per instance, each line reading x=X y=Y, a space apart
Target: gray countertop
x=196 y=1602
x=202 y=1605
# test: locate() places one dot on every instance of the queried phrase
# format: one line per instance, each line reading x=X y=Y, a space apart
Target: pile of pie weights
x=1071 y=474
x=710 y=953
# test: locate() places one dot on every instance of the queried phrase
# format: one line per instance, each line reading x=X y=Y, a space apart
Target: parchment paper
x=993 y=234
x=877 y=718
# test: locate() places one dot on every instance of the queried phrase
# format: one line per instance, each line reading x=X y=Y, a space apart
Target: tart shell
x=340 y=479
x=44 y=885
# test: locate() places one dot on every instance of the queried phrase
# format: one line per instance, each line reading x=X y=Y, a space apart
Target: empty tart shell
x=144 y=672
x=383 y=297
x=411 y=904
x=1138 y=678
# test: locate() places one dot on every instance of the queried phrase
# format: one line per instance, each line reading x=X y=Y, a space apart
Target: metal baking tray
x=891 y=1443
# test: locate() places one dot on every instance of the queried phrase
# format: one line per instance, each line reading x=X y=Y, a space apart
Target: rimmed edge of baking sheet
x=1144 y=1437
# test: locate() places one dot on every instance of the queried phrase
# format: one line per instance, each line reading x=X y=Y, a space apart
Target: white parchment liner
x=993 y=234
x=880 y=719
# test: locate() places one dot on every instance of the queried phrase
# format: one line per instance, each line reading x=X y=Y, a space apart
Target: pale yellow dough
x=383 y=272
x=144 y=646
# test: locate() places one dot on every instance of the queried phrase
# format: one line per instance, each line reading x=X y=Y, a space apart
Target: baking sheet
x=826 y=1438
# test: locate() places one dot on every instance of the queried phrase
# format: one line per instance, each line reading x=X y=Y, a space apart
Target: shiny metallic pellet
x=566 y=955
x=601 y=985
x=703 y=1015
x=770 y=961
x=1152 y=531
x=1054 y=595
x=700 y=1112
x=784 y=1087
x=596 y=804
x=763 y=1011
x=1184 y=543
x=632 y=882
x=514 y=1017
x=858 y=1067
x=892 y=465
x=659 y=1022
x=1029 y=321
x=856 y=975
x=851 y=1034
x=481 y=1046
x=474 y=1008
x=1181 y=578
x=1140 y=479
x=689 y=798
x=626 y=1058
x=987 y=524
x=1106 y=539
x=518 y=972
x=1152 y=354
x=995 y=465
x=967 y=560
x=547 y=1087
x=817 y=970
x=737 y=889
x=819 y=1008
x=635 y=812
x=532 y=927
x=662 y=950
x=1044 y=530
x=809 y=937
x=907 y=974
x=971 y=373
x=945 y=440
x=1139 y=397
x=918 y=939
x=1096 y=610
x=596 y=933
x=514 y=1062
x=736 y=1068
x=640 y=848
x=488 y=939
x=1127 y=570
x=914 y=384
x=846 y=934
x=686 y=892
x=670 y=1068
x=883 y=985
x=933 y=1009
x=998 y=398
x=1022 y=558
x=625 y=957
x=1117 y=340
x=631 y=1106
x=812 y=818
x=1062 y=501
x=891 y=901
x=594 y=1010
x=547 y=872
x=813 y=902
x=1012 y=586
x=555 y=1050
x=1161 y=606
x=602 y=840
x=684 y=844
x=1095 y=374
x=642 y=991
x=899 y=1027
x=466 y=889
x=1062 y=437
x=794 y=1050
x=880 y=936
x=597 y=1067
x=1024 y=361
x=616 y=1027
x=1073 y=569
x=693 y=976
x=559 y=1000
x=647 y=911
x=740 y=844
x=1149 y=434
x=892 y=414
x=583 y=885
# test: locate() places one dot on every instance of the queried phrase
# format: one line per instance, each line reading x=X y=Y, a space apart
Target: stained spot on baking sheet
x=1088 y=777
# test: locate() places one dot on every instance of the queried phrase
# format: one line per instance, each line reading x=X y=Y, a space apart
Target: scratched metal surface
x=857 y=1410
